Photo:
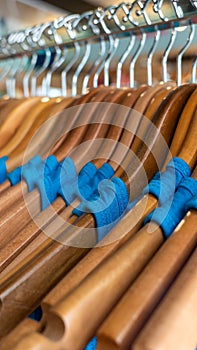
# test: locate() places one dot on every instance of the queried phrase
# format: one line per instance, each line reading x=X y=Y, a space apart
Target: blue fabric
x=87 y=190
x=92 y=345
x=164 y=185
x=67 y=180
x=191 y=204
x=85 y=178
x=172 y=212
x=46 y=181
x=38 y=173
x=30 y=172
x=15 y=176
x=37 y=314
x=109 y=207
x=3 y=169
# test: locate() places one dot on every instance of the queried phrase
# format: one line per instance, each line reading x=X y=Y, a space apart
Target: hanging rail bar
x=131 y=16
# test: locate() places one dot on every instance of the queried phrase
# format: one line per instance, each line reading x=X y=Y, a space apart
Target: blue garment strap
x=109 y=207
x=164 y=185
x=29 y=172
x=3 y=169
x=86 y=175
x=38 y=173
x=172 y=212
x=15 y=176
x=87 y=190
x=191 y=204
x=92 y=345
x=67 y=180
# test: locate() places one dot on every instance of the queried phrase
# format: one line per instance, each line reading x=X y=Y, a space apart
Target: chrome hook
x=135 y=57
x=150 y=56
x=57 y=62
x=194 y=67
x=107 y=53
x=68 y=67
x=123 y=59
x=181 y=53
x=80 y=68
x=28 y=73
x=114 y=43
x=95 y=65
x=166 y=54
x=17 y=68
x=39 y=71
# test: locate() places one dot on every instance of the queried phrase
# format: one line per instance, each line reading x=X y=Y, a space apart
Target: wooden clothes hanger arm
x=15 y=117
x=26 y=126
x=23 y=329
x=173 y=328
x=40 y=137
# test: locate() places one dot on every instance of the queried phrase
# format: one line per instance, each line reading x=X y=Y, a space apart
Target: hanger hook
x=194 y=67
x=94 y=66
x=68 y=67
x=166 y=54
x=135 y=57
x=150 y=56
x=37 y=72
x=114 y=43
x=80 y=68
x=26 y=77
x=123 y=59
x=181 y=53
x=107 y=53
x=57 y=62
x=17 y=68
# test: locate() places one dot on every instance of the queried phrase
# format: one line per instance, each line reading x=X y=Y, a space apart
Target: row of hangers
x=53 y=258
x=30 y=259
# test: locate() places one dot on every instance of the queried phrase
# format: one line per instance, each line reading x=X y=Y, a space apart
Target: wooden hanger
x=55 y=250
x=13 y=118
x=173 y=324
x=26 y=125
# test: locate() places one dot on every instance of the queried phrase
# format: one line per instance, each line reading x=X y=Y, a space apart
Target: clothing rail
x=130 y=16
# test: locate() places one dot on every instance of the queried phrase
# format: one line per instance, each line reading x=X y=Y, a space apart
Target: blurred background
x=20 y=14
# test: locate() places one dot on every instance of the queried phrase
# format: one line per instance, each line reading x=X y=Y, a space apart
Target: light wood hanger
x=14 y=118
x=173 y=324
